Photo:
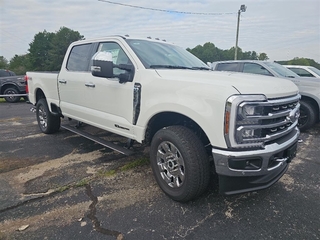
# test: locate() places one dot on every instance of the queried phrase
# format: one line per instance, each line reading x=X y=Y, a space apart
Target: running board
x=105 y=143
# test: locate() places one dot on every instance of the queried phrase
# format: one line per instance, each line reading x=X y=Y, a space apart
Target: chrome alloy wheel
x=171 y=165
x=43 y=119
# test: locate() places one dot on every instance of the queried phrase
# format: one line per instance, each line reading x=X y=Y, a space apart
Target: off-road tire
x=307 y=115
x=11 y=90
x=48 y=123
x=178 y=147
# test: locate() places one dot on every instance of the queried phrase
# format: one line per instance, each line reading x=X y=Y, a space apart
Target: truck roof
x=121 y=37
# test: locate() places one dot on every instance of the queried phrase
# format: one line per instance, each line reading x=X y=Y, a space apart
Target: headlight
x=249 y=109
x=252 y=120
x=241 y=120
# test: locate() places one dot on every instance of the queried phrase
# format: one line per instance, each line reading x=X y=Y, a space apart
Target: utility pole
x=243 y=8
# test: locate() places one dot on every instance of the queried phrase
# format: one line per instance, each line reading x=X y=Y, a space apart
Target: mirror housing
x=102 y=65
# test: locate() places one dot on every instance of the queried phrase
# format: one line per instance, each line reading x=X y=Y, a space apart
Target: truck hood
x=271 y=87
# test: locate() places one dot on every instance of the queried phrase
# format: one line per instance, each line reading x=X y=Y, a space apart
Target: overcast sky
x=283 y=29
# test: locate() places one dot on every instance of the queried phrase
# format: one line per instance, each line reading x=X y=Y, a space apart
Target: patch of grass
x=62 y=189
x=126 y=167
x=134 y=164
x=1 y=101
x=82 y=182
x=108 y=173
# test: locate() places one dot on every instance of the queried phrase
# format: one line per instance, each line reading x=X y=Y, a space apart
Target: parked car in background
x=304 y=71
x=11 y=84
x=309 y=87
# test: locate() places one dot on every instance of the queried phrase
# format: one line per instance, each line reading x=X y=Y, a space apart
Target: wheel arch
x=314 y=103
x=54 y=109
x=8 y=85
x=165 y=119
x=39 y=94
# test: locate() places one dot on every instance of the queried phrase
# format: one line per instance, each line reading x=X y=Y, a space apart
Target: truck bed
x=49 y=88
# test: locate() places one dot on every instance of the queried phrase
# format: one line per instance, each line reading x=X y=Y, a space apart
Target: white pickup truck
x=244 y=127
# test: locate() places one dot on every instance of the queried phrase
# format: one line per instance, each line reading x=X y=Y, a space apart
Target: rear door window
x=79 y=58
x=227 y=67
x=301 y=72
x=255 y=69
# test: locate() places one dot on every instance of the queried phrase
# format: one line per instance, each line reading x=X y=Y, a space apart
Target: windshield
x=162 y=55
x=316 y=70
x=281 y=70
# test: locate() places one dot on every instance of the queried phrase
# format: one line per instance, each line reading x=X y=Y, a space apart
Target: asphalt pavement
x=62 y=186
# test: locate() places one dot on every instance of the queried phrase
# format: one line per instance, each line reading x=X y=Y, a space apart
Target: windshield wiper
x=200 y=68
x=179 y=67
x=169 y=66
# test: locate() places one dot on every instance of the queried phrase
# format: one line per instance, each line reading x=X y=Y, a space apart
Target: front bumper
x=245 y=171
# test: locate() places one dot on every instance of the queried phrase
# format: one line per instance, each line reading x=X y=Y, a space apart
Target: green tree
x=263 y=56
x=3 y=62
x=59 y=45
x=229 y=54
x=47 y=49
x=254 y=55
x=247 y=55
x=19 y=64
x=39 y=51
x=197 y=51
x=301 y=61
x=210 y=53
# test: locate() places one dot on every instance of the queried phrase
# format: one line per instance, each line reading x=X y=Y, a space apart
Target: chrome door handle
x=62 y=81
x=89 y=85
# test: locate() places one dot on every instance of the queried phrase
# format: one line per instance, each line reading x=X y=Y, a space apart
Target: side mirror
x=102 y=65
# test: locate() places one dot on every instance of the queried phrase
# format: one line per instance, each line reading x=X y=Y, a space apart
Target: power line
x=163 y=10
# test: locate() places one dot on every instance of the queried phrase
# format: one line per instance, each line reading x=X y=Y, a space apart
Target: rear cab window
x=6 y=73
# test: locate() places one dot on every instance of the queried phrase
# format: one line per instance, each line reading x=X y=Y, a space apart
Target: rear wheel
x=307 y=115
x=48 y=123
x=180 y=163
x=11 y=91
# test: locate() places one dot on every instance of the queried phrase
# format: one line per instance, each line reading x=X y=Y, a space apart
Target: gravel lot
x=63 y=186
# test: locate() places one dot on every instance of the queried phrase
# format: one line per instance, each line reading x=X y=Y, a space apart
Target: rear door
x=71 y=81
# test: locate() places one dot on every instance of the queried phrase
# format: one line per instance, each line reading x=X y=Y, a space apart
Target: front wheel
x=307 y=115
x=180 y=163
x=48 y=123
x=11 y=91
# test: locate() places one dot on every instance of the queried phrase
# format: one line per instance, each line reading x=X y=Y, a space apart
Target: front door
x=110 y=103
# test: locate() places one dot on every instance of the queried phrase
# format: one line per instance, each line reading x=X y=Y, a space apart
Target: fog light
x=245 y=164
x=248 y=133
